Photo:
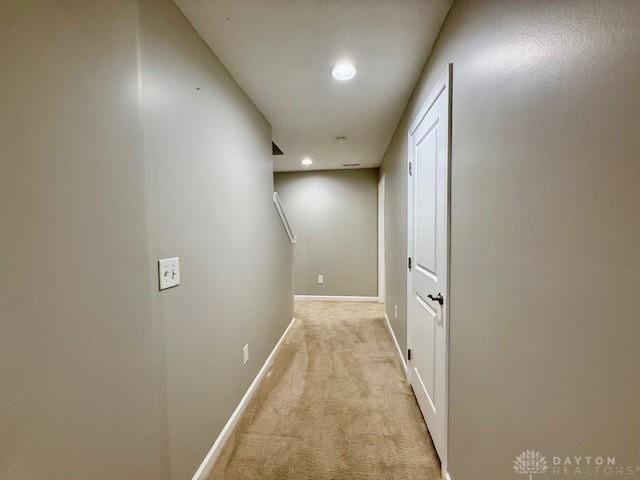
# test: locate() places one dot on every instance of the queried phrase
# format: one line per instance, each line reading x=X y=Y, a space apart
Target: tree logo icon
x=530 y=462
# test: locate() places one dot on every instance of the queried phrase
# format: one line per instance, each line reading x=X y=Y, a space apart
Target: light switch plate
x=320 y=279
x=169 y=272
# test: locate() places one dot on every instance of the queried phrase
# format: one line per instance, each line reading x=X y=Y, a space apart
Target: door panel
x=428 y=229
x=425 y=205
x=424 y=360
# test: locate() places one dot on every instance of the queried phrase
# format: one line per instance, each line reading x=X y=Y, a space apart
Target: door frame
x=381 y=242
x=443 y=83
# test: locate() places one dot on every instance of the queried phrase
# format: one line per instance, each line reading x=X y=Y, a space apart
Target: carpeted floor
x=334 y=406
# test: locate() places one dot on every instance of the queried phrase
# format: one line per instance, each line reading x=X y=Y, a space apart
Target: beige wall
x=79 y=365
x=210 y=177
x=545 y=264
x=104 y=377
x=334 y=214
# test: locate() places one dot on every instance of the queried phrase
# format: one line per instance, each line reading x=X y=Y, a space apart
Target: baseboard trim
x=336 y=298
x=395 y=341
x=207 y=464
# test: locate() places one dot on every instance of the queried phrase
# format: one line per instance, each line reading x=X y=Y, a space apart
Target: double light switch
x=169 y=272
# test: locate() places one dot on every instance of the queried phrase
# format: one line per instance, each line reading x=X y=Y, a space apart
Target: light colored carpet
x=334 y=406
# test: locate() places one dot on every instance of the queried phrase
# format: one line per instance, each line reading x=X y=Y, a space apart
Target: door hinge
x=409 y=263
x=410 y=168
x=409 y=354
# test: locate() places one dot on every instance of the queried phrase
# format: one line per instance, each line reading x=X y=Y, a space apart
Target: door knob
x=438 y=298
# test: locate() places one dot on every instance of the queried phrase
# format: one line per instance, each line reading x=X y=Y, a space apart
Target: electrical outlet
x=245 y=354
x=320 y=279
x=395 y=311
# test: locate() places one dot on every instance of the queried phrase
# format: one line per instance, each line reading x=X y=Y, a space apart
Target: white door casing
x=428 y=252
x=381 y=244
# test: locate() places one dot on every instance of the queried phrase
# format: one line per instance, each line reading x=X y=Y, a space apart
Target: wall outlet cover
x=320 y=279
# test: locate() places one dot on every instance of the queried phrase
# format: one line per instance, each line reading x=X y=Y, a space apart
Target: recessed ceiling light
x=307 y=161
x=343 y=70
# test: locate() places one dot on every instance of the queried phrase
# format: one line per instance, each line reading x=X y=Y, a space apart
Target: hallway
x=319 y=239
x=335 y=405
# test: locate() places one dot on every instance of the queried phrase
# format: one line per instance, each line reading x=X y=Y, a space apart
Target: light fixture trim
x=343 y=70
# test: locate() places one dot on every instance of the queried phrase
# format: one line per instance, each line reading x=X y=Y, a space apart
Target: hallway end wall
x=334 y=214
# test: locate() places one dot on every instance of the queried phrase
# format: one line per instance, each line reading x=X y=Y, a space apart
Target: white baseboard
x=395 y=341
x=207 y=464
x=336 y=298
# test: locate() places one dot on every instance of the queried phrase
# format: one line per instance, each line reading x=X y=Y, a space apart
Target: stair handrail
x=283 y=217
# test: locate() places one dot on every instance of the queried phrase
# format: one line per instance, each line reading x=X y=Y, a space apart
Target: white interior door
x=428 y=251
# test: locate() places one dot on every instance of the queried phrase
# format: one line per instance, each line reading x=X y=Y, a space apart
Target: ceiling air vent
x=351 y=165
x=275 y=149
